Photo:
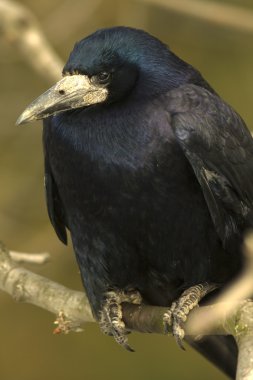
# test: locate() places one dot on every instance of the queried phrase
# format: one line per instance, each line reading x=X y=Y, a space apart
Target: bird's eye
x=103 y=77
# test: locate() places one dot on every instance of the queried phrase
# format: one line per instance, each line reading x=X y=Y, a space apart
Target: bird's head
x=109 y=66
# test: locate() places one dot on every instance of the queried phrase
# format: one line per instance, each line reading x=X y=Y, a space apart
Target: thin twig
x=33 y=258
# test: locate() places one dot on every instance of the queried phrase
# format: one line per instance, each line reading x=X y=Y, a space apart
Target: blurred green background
x=28 y=349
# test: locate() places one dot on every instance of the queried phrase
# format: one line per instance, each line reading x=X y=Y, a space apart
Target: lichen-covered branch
x=244 y=338
x=72 y=310
x=72 y=306
x=26 y=286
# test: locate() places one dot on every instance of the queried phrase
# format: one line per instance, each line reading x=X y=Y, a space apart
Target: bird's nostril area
x=61 y=92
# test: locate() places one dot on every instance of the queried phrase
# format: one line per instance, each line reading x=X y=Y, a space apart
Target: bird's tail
x=221 y=350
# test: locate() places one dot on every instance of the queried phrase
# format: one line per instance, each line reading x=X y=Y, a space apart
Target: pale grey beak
x=72 y=91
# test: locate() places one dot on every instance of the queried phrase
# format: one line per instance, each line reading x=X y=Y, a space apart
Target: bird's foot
x=111 y=322
x=177 y=314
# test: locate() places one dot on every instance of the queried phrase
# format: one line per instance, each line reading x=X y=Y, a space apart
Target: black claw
x=128 y=348
x=179 y=342
x=166 y=328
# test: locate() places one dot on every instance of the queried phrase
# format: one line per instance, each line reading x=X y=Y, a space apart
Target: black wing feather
x=219 y=148
x=54 y=205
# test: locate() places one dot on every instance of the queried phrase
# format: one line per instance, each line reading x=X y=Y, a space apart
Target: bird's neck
x=169 y=73
x=112 y=134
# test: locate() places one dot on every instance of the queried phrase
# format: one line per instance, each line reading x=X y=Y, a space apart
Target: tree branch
x=26 y=286
x=32 y=258
x=231 y=297
x=72 y=310
x=221 y=14
x=20 y=28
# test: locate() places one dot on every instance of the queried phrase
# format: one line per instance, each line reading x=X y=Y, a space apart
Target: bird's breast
x=136 y=193
x=132 y=180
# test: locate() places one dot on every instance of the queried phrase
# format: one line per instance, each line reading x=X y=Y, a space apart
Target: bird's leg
x=179 y=310
x=111 y=322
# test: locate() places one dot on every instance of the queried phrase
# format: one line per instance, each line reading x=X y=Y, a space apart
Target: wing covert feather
x=219 y=148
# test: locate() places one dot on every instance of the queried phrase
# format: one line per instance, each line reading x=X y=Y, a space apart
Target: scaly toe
x=168 y=318
x=111 y=322
x=178 y=331
x=176 y=316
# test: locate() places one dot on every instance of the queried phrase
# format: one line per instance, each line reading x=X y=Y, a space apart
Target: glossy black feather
x=155 y=184
x=219 y=147
x=54 y=204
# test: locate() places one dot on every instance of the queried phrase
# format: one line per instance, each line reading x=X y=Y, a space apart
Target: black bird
x=151 y=172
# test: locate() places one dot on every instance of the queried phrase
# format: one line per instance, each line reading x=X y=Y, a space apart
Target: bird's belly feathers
x=140 y=227
x=137 y=217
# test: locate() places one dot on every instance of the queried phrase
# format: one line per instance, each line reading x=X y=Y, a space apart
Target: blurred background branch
x=222 y=14
x=19 y=27
x=33 y=258
x=76 y=18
